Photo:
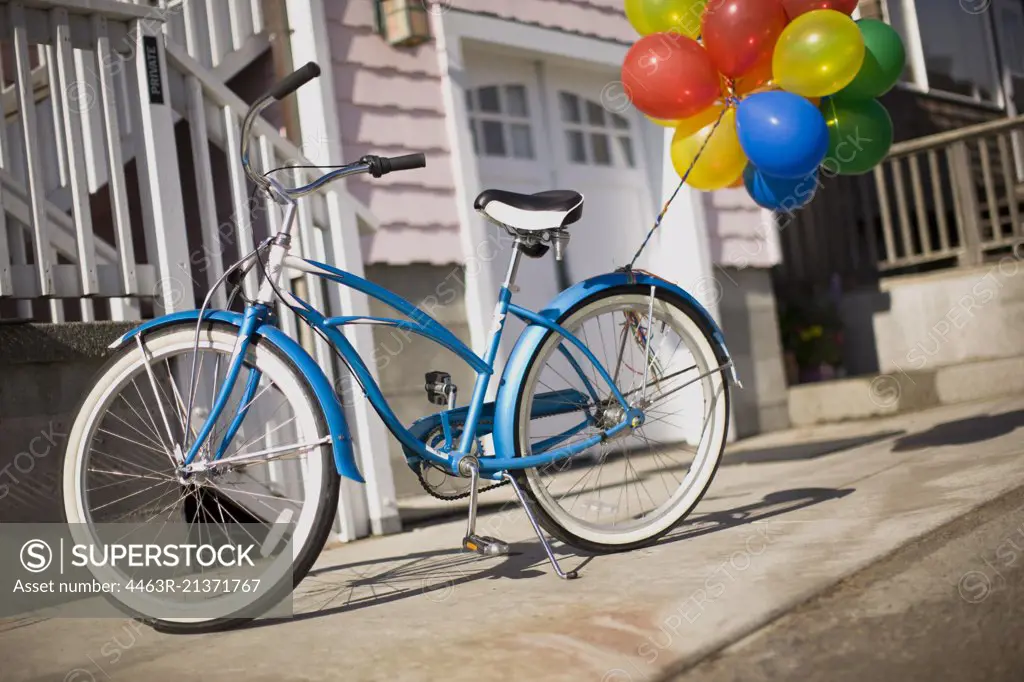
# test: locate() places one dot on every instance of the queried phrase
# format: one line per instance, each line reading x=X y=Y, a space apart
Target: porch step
x=880 y=395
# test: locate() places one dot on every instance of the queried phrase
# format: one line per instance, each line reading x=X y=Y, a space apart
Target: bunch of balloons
x=763 y=93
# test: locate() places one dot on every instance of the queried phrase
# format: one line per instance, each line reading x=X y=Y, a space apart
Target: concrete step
x=878 y=395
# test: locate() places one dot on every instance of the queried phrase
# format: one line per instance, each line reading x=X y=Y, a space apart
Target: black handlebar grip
x=407 y=162
x=295 y=80
x=382 y=165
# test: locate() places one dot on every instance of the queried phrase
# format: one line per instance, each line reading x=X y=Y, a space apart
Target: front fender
x=341 y=439
x=533 y=335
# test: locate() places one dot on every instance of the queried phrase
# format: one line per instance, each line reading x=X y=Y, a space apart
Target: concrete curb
x=910 y=391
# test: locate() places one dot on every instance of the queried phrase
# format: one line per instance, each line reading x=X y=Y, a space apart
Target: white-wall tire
x=320 y=484
x=714 y=387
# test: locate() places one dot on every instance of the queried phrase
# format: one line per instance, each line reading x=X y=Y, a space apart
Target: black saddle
x=552 y=210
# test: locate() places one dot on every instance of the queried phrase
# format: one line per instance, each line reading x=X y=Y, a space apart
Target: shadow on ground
x=802 y=451
x=416 y=517
x=963 y=431
x=435 y=574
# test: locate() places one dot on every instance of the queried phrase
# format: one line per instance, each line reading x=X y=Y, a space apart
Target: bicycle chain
x=431 y=490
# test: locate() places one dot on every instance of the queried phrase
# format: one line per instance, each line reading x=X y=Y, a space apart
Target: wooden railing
x=943 y=201
x=222 y=35
x=64 y=150
x=953 y=196
x=49 y=249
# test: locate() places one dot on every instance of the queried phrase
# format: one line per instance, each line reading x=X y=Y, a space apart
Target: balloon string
x=730 y=102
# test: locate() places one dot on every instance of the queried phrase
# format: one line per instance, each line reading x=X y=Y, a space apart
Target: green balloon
x=860 y=135
x=884 y=59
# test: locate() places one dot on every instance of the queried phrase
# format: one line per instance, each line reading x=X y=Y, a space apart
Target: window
x=499 y=121
x=954 y=52
x=593 y=135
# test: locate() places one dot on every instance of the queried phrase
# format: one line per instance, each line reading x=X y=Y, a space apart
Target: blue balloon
x=779 y=194
x=783 y=134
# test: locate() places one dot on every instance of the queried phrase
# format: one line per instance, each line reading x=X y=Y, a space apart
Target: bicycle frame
x=258 y=320
x=422 y=324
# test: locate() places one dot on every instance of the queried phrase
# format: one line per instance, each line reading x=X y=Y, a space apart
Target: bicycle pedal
x=485 y=545
x=440 y=389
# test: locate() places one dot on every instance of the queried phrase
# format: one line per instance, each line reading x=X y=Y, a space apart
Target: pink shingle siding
x=389 y=100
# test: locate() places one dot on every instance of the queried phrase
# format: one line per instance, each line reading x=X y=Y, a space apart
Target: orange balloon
x=816 y=101
x=738 y=183
x=758 y=77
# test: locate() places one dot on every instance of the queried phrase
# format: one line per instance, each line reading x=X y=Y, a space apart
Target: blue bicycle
x=609 y=423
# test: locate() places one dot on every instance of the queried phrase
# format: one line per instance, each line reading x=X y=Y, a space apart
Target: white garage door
x=539 y=126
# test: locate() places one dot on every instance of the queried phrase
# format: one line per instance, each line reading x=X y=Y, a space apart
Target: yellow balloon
x=659 y=16
x=689 y=126
x=818 y=54
x=722 y=159
x=662 y=122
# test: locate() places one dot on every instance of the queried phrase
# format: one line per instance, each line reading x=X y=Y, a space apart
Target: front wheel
x=278 y=484
x=630 y=489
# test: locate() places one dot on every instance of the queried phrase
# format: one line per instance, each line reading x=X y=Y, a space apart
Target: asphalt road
x=947 y=607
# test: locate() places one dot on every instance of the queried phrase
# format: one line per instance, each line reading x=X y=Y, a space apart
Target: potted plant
x=813 y=340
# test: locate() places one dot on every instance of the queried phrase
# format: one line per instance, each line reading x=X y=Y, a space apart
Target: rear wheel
x=120 y=465
x=631 y=489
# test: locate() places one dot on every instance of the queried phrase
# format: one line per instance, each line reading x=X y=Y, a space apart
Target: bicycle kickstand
x=570 y=575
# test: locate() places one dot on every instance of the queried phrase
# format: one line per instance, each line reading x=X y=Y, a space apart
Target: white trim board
x=372 y=507
x=549 y=42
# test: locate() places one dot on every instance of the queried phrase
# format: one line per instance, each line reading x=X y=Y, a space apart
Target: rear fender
x=533 y=335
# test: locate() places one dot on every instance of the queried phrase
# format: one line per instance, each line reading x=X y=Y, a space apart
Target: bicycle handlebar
x=374 y=165
x=294 y=81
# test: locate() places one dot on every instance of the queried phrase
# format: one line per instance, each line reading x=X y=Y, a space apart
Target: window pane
x=577 y=152
x=626 y=145
x=469 y=100
x=602 y=151
x=620 y=122
x=522 y=141
x=956 y=48
x=515 y=101
x=494 y=138
x=487 y=99
x=570 y=105
x=476 y=141
x=595 y=113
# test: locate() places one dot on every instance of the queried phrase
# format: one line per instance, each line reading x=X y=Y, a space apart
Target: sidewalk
x=787 y=516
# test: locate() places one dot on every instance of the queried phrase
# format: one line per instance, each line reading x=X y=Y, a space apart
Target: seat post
x=513 y=266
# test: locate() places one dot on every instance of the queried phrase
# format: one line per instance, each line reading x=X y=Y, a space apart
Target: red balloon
x=669 y=76
x=795 y=8
x=738 y=34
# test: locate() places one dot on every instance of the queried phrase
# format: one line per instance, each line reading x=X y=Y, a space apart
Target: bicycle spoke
x=156 y=392
x=152 y=427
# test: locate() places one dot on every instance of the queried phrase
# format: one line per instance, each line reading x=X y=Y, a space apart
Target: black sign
x=153 y=76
